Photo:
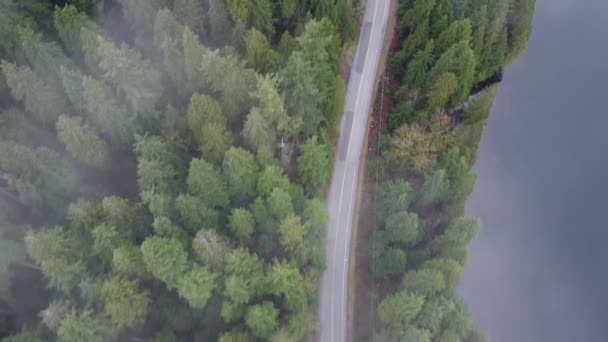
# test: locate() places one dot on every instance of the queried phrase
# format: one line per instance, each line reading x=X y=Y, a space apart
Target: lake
x=539 y=269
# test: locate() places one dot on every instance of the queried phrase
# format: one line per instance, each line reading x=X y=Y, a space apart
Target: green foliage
x=410 y=334
x=129 y=260
x=436 y=187
x=314 y=165
x=83 y=215
x=131 y=75
x=84 y=326
x=403 y=228
x=72 y=85
x=219 y=21
x=459 y=30
x=260 y=55
x=447 y=46
x=302 y=94
x=479 y=109
x=261 y=319
x=195 y=214
x=244 y=281
x=521 y=13
x=165 y=258
x=395 y=196
x=62 y=274
x=51 y=243
x=45 y=57
x=82 y=141
x=292 y=232
x=124 y=302
x=191 y=14
x=212 y=108
x=272 y=177
x=418 y=68
x=206 y=182
x=38 y=176
x=241 y=172
x=459 y=59
x=168 y=40
x=196 y=286
x=386 y=260
x=141 y=17
x=456 y=236
x=46 y=103
x=157 y=172
x=241 y=223
x=450 y=269
x=106 y=238
x=284 y=280
x=399 y=310
x=440 y=91
x=208 y=125
x=425 y=282
x=104 y=111
x=69 y=21
x=279 y=204
x=315 y=214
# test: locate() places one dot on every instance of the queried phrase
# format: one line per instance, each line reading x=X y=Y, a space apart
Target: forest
x=162 y=167
x=445 y=64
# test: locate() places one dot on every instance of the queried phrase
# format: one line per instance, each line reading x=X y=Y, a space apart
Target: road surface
x=343 y=188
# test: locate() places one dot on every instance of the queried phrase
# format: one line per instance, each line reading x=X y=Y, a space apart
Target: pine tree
x=82 y=141
x=104 y=111
x=38 y=98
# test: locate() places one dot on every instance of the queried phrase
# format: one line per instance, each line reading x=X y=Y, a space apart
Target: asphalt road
x=344 y=184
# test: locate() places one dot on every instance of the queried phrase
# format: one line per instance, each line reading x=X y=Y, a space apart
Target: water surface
x=539 y=269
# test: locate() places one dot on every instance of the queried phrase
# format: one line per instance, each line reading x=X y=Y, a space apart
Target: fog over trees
x=161 y=167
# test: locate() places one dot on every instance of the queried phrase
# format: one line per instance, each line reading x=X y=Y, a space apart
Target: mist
x=536 y=272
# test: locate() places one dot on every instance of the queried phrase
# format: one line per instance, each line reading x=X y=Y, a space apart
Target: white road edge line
x=333 y=278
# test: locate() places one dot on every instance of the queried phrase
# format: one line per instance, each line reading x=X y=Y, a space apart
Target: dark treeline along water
x=537 y=270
